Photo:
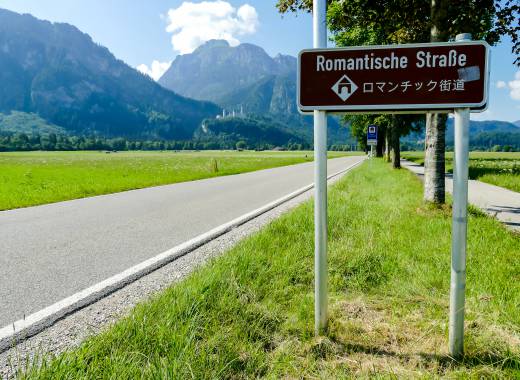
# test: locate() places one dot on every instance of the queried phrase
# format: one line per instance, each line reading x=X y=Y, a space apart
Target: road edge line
x=14 y=333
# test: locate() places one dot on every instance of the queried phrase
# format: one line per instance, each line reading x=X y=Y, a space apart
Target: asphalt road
x=50 y=252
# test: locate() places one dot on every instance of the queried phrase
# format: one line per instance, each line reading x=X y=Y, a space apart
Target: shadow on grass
x=477 y=172
x=500 y=361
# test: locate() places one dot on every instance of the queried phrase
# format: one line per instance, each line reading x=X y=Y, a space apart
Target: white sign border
x=398 y=108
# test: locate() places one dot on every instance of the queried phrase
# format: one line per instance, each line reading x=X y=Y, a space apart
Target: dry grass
x=369 y=339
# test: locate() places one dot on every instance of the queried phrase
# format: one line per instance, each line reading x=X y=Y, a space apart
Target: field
x=501 y=169
x=33 y=178
x=249 y=313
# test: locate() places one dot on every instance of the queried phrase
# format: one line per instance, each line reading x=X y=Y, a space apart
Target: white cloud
x=156 y=71
x=514 y=87
x=501 y=84
x=192 y=24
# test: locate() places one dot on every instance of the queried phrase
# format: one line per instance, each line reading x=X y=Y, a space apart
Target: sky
x=148 y=35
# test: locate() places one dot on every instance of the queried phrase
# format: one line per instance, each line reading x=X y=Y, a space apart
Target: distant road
x=50 y=252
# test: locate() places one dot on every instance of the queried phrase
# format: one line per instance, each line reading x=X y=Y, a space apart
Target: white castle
x=231 y=114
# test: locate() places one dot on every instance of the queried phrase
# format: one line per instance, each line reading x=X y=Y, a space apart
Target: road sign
x=395 y=78
x=372 y=135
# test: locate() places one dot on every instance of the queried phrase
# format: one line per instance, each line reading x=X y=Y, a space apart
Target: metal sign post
x=459 y=227
x=413 y=78
x=320 y=186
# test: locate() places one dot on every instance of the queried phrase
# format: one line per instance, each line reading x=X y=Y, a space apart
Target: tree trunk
x=387 y=145
x=380 y=143
x=435 y=142
x=434 y=158
x=396 y=145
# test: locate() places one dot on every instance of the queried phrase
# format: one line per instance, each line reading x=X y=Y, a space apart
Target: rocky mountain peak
x=216 y=69
x=57 y=72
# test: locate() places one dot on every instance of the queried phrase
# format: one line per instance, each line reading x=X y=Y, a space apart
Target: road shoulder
x=73 y=329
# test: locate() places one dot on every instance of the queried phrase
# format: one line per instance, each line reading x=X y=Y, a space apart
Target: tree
x=241 y=145
x=402 y=125
x=435 y=136
x=358 y=22
x=483 y=19
x=391 y=128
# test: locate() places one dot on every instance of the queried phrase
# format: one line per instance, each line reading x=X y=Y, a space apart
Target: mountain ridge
x=58 y=72
x=56 y=78
x=216 y=69
x=479 y=126
x=266 y=88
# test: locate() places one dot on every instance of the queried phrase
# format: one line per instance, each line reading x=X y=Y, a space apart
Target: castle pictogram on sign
x=344 y=87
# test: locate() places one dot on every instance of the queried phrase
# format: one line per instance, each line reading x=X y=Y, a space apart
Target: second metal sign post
x=320 y=186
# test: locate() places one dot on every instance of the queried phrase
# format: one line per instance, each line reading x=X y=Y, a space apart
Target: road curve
x=52 y=251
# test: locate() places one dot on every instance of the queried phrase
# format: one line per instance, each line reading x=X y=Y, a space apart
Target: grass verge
x=249 y=313
x=34 y=178
x=497 y=168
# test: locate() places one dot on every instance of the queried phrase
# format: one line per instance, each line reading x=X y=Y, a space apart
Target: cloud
x=192 y=24
x=501 y=84
x=156 y=71
x=514 y=87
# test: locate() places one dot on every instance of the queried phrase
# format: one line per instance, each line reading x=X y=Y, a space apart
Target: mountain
x=483 y=135
x=273 y=94
x=216 y=69
x=28 y=123
x=517 y=123
x=258 y=132
x=245 y=78
x=57 y=72
x=476 y=127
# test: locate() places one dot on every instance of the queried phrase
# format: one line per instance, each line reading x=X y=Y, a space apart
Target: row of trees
x=53 y=142
x=366 y=22
x=484 y=141
x=12 y=142
x=496 y=141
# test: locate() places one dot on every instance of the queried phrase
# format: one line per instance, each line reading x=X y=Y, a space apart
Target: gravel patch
x=72 y=330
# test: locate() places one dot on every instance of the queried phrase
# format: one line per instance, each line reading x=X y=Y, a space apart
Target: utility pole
x=459 y=227
x=320 y=186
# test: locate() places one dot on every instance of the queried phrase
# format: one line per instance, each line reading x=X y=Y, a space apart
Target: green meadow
x=34 y=178
x=249 y=313
x=497 y=168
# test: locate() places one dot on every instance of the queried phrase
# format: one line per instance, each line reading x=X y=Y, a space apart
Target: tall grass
x=249 y=313
x=28 y=179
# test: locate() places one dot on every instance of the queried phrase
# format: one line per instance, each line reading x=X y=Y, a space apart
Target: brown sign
x=400 y=78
